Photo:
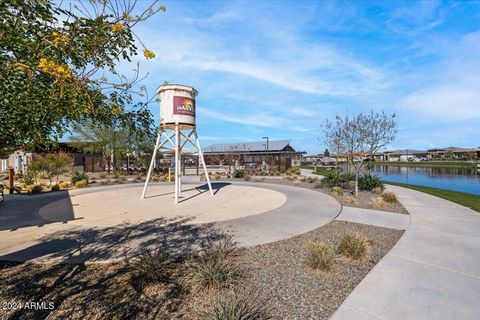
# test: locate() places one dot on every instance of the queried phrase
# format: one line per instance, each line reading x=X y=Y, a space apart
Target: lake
x=464 y=180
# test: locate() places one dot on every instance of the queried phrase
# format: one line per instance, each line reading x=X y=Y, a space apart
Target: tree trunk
x=356 y=183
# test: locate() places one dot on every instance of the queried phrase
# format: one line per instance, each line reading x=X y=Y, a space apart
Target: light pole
x=267 y=148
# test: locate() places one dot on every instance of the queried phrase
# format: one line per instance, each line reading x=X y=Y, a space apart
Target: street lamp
x=267 y=143
x=266 y=150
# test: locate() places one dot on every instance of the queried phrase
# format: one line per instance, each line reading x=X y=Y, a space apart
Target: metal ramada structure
x=177 y=128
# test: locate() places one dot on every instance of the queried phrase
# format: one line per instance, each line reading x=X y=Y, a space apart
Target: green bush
x=335 y=179
x=369 y=182
x=319 y=256
x=55 y=187
x=239 y=173
x=151 y=265
x=34 y=188
x=216 y=268
x=78 y=176
x=237 y=305
x=353 y=245
x=348 y=176
x=27 y=178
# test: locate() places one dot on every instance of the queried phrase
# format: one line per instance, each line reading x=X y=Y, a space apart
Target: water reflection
x=458 y=179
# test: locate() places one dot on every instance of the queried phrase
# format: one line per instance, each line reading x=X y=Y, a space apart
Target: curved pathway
x=433 y=272
x=26 y=236
x=304 y=211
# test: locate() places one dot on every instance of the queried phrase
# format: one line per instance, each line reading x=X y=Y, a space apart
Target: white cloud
x=446 y=103
x=257 y=119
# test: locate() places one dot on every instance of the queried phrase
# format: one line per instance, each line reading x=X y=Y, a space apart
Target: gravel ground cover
x=112 y=291
x=298 y=292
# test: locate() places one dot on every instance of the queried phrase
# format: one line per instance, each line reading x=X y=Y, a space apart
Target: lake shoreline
x=428 y=164
x=469 y=200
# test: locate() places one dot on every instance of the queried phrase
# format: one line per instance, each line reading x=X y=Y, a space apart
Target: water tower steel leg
x=203 y=163
x=176 y=163
x=152 y=162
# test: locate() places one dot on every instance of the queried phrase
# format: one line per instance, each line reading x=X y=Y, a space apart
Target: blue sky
x=279 y=68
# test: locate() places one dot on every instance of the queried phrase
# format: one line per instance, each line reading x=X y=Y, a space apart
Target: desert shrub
x=237 y=305
x=347 y=176
x=295 y=170
x=337 y=190
x=350 y=199
x=369 y=182
x=217 y=177
x=43 y=174
x=354 y=246
x=34 y=188
x=239 y=173
x=64 y=184
x=151 y=265
x=216 y=268
x=81 y=184
x=377 y=190
x=331 y=179
x=319 y=256
x=27 y=178
x=55 y=187
x=318 y=185
x=389 y=196
x=378 y=202
x=79 y=176
x=247 y=178
x=312 y=179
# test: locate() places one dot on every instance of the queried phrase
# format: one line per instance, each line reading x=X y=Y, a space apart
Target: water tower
x=177 y=128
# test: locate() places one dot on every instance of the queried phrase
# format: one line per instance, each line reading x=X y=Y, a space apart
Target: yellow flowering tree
x=58 y=65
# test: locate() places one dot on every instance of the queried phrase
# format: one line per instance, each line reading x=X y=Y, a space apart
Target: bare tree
x=333 y=139
x=381 y=130
x=359 y=136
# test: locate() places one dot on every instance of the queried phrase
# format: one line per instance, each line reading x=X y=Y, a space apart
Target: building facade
x=278 y=154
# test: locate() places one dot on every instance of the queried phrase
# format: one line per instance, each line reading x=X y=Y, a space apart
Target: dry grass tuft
x=378 y=202
x=338 y=191
x=350 y=199
x=390 y=197
x=238 y=305
x=354 y=246
x=320 y=256
x=377 y=191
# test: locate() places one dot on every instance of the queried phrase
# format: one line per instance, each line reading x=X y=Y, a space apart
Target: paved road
x=433 y=272
x=40 y=240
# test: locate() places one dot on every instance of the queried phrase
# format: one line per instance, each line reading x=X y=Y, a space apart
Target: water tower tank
x=177 y=105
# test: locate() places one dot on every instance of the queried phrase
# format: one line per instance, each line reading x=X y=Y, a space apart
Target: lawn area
x=429 y=164
x=319 y=170
x=465 y=199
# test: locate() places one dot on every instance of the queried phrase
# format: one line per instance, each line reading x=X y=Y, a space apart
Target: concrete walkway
x=304 y=211
x=375 y=218
x=308 y=173
x=26 y=235
x=433 y=272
